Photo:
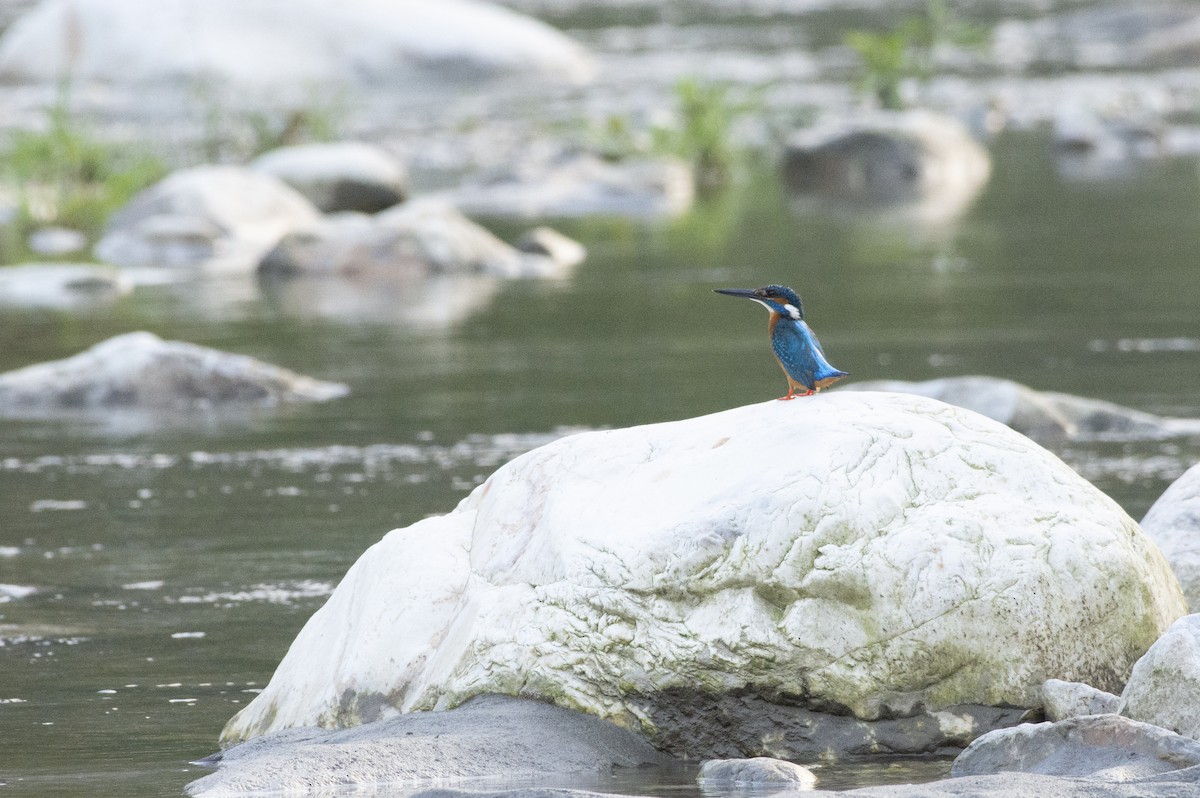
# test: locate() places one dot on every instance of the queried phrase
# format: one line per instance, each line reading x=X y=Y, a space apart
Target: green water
x=247 y=522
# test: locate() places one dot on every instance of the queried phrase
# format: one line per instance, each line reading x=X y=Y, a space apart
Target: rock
x=1173 y=522
x=217 y=217
x=1063 y=700
x=419 y=238
x=917 y=557
x=1177 y=784
x=1042 y=415
x=61 y=285
x=140 y=370
x=1107 y=747
x=576 y=185
x=566 y=252
x=1164 y=688
x=924 y=163
x=488 y=736
x=758 y=770
x=56 y=241
x=284 y=51
x=342 y=176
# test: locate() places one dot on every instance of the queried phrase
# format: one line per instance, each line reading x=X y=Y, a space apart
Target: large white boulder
x=220 y=218
x=283 y=50
x=1164 y=688
x=340 y=175
x=868 y=553
x=1174 y=523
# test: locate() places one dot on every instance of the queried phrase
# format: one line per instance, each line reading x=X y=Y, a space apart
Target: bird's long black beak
x=748 y=293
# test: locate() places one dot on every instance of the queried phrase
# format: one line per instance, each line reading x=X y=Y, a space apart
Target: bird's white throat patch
x=793 y=311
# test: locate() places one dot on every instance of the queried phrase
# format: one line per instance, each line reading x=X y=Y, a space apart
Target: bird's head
x=775 y=298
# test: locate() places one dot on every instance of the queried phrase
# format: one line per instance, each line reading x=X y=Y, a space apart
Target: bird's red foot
x=794 y=395
x=786 y=398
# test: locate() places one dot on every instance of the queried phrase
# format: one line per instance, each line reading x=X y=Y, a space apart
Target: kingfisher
x=795 y=345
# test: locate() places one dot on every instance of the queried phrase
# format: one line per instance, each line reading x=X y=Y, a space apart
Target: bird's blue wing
x=800 y=353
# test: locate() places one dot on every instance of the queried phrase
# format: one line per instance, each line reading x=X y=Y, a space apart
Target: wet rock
x=1108 y=747
x=918 y=557
x=1118 y=35
x=757 y=770
x=61 y=285
x=1042 y=415
x=1173 y=522
x=1176 y=784
x=489 y=736
x=1062 y=700
x=284 y=51
x=923 y=163
x=220 y=218
x=140 y=370
x=576 y=185
x=56 y=241
x=1164 y=688
x=554 y=245
x=340 y=176
x=419 y=238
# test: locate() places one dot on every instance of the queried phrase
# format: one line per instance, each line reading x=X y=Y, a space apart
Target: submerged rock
x=61 y=285
x=759 y=770
x=284 y=51
x=140 y=370
x=489 y=736
x=339 y=176
x=1042 y=415
x=917 y=557
x=1062 y=700
x=1164 y=688
x=419 y=238
x=580 y=185
x=924 y=163
x=212 y=217
x=1106 y=747
x=1173 y=522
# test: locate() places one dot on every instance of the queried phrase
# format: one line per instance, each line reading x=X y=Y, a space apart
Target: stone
x=56 y=241
x=566 y=252
x=61 y=285
x=339 y=176
x=918 y=557
x=220 y=218
x=1164 y=687
x=419 y=238
x=578 y=185
x=1176 y=784
x=1108 y=747
x=1173 y=522
x=757 y=770
x=926 y=164
x=140 y=370
x=495 y=736
x=285 y=51
x=1062 y=700
x=1042 y=415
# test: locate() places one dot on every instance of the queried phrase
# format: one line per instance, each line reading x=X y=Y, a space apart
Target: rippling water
x=153 y=574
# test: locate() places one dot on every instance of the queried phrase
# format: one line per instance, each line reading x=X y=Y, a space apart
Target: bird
x=795 y=345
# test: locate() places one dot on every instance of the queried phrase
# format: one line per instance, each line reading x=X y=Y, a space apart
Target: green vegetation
x=907 y=51
x=63 y=175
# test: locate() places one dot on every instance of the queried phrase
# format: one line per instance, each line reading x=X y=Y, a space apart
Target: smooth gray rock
x=1164 y=687
x=922 y=162
x=1041 y=415
x=488 y=736
x=759 y=770
x=1107 y=747
x=552 y=244
x=140 y=370
x=56 y=241
x=1173 y=522
x=61 y=285
x=1062 y=700
x=339 y=176
x=419 y=238
x=1178 y=784
x=212 y=217
x=576 y=185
